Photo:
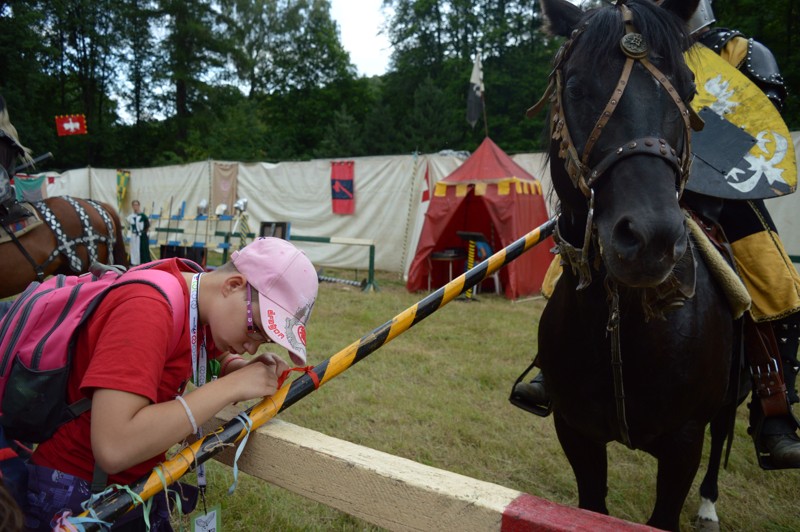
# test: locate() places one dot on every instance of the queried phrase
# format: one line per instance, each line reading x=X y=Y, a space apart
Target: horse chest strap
x=616 y=362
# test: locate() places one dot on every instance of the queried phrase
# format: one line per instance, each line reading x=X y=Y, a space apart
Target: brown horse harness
x=584 y=177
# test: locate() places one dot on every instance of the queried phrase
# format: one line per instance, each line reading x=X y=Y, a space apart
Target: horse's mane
x=665 y=34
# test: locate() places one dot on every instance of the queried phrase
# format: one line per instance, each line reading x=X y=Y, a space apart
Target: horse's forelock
x=601 y=31
x=665 y=33
x=603 y=28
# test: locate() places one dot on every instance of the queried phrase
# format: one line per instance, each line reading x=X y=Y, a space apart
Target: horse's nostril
x=679 y=250
x=627 y=239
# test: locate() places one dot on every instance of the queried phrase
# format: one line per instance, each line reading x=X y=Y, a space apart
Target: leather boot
x=533 y=394
x=779 y=441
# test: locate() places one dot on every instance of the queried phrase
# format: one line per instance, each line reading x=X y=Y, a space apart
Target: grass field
x=438 y=394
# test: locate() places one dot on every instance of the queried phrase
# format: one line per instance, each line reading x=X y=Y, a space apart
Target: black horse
x=635 y=343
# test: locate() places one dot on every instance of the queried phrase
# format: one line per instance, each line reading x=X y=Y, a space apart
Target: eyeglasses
x=252 y=331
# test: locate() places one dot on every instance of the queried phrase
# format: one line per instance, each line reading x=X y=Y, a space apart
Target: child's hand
x=271 y=359
x=259 y=377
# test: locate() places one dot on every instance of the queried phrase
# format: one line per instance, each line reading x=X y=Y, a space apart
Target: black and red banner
x=343 y=195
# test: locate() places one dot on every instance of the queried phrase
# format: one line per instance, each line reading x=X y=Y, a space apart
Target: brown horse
x=75 y=233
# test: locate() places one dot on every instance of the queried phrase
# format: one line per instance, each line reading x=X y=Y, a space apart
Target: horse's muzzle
x=642 y=253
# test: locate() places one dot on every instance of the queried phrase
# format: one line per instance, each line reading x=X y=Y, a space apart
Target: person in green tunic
x=140 y=242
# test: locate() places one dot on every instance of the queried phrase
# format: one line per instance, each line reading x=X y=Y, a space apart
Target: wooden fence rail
x=393 y=492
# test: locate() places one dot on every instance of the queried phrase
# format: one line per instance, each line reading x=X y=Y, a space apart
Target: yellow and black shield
x=746 y=151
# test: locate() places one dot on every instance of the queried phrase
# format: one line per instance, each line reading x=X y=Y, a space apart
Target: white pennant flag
x=475 y=94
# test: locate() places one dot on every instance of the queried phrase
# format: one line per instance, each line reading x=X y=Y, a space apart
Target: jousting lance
x=119 y=502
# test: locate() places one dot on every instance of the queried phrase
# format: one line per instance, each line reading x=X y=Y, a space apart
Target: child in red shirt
x=124 y=364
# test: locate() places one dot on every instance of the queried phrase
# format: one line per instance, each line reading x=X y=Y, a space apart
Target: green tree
x=342 y=137
x=226 y=126
x=196 y=47
x=24 y=84
x=777 y=25
x=138 y=55
x=430 y=124
x=283 y=45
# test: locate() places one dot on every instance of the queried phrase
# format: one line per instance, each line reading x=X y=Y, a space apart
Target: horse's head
x=620 y=133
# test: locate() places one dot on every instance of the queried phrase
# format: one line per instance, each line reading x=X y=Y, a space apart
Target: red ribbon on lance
x=71 y=125
x=343 y=194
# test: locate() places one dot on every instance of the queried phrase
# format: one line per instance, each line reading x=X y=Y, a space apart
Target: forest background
x=173 y=81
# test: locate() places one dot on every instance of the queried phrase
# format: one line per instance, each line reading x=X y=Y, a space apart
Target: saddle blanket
x=23 y=226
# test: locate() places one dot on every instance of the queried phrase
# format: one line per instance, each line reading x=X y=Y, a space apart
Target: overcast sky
x=359 y=21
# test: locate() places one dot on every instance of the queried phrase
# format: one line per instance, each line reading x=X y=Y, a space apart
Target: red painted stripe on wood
x=526 y=513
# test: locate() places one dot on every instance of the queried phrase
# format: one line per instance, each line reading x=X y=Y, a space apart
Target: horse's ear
x=560 y=16
x=684 y=9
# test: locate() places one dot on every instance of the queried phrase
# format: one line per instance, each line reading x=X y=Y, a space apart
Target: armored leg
x=772 y=425
x=787 y=333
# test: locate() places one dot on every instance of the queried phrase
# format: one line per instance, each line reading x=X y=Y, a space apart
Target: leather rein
x=584 y=177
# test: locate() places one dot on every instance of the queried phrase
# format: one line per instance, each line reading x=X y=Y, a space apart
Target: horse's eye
x=575 y=90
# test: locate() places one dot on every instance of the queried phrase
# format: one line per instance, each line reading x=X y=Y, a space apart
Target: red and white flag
x=426 y=187
x=71 y=125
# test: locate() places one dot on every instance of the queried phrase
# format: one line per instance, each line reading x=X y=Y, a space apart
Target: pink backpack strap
x=172 y=290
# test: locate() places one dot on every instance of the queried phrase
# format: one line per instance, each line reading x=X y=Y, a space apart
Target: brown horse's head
x=620 y=139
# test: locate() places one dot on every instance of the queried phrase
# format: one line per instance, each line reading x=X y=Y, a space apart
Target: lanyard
x=199 y=357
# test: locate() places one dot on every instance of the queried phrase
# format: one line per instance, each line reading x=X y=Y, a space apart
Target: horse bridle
x=584 y=177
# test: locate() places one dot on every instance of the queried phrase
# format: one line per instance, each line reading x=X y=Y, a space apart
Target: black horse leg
x=678 y=460
x=707 y=518
x=589 y=462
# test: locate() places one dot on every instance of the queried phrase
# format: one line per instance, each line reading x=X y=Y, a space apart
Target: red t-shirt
x=123 y=346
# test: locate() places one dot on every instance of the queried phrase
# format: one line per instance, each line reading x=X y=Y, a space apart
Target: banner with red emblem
x=71 y=125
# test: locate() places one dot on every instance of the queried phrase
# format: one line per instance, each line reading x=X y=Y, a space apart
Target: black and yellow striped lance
x=116 y=504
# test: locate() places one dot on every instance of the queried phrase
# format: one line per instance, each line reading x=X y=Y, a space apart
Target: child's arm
x=127 y=429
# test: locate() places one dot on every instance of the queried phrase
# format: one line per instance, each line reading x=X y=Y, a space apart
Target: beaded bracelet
x=228 y=360
x=188 y=413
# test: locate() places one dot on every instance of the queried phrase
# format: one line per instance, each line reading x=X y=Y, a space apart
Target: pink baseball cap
x=286 y=283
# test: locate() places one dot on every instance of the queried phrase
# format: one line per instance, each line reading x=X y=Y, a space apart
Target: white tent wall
x=785 y=213
x=300 y=193
x=388 y=194
x=72 y=183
